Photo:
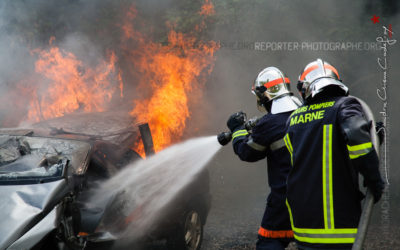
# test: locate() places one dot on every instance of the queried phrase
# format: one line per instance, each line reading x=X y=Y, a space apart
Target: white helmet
x=272 y=90
x=316 y=76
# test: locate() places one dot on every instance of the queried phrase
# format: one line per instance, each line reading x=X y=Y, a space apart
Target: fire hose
x=225 y=137
x=369 y=199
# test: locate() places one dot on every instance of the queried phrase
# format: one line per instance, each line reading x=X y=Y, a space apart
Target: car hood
x=23 y=206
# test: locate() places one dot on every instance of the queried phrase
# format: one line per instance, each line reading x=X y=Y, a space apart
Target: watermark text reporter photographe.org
x=299 y=46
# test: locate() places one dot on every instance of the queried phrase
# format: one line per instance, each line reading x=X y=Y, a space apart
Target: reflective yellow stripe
x=324 y=177
x=289 y=147
x=313 y=235
x=326 y=232
x=359 y=150
x=238 y=133
x=360 y=146
x=327 y=177
x=331 y=177
x=289 y=143
x=349 y=240
x=290 y=214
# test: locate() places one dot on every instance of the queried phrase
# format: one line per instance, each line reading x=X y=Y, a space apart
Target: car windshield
x=37 y=159
x=25 y=168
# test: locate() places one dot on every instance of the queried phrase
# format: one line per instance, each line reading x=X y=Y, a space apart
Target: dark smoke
x=89 y=28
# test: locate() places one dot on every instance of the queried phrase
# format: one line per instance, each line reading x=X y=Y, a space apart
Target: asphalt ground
x=239 y=192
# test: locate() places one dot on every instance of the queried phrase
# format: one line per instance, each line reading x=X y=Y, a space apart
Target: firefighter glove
x=236 y=121
x=368 y=165
x=377 y=190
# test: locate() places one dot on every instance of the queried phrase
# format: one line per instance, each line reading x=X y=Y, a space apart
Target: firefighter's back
x=323 y=195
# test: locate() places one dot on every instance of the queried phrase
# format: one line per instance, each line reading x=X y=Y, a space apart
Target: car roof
x=118 y=128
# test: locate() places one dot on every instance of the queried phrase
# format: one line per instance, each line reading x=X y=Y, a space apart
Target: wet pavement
x=239 y=192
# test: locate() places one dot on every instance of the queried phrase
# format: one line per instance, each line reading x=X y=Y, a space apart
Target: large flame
x=68 y=85
x=168 y=77
x=173 y=74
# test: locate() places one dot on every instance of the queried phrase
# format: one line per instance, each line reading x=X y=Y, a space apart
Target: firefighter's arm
x=245 y=147
x=266 y=137
x=356 y=130
x=243 y=143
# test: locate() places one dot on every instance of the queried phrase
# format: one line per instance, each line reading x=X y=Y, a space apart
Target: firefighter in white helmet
x=272 y=91
x=330 y=143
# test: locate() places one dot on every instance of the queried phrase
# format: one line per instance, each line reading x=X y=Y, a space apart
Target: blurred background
x=186 y=65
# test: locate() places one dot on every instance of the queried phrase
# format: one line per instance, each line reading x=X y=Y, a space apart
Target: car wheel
x=189 y=233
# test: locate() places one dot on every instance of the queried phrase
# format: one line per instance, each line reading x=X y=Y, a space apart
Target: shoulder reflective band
x=276 y=82
x=255 y=145
x=326 y=66
x=277 y=144
x=275 y=233
x=289 y=147
x=242 y=132
x=321 y=235
x=327 y=177
x=359 y=150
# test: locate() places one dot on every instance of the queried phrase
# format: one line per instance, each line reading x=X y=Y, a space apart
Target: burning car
x=48 y=169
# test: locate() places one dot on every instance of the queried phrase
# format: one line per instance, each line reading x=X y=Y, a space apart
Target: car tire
x=189 y=231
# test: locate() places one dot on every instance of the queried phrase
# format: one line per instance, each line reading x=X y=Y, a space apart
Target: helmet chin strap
x=301 y=90
x=262 y=99
x=267 y=105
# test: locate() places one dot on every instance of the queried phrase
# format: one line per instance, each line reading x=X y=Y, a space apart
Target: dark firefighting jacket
x=266 y=140
x=323 y=194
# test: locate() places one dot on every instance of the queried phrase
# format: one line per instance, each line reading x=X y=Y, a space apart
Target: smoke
x=89 y=28
x=88 y=34
x=28 y=27
x=242 y=24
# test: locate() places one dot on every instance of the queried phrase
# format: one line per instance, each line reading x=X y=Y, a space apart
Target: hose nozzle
x=224 y=138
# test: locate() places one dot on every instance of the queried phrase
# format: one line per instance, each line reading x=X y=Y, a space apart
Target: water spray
x=148 y=186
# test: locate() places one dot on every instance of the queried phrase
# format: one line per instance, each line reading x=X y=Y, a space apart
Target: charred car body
x=47 y=170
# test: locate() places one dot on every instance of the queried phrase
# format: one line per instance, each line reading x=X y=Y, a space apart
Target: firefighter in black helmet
x=330 y=143
x=271 y=88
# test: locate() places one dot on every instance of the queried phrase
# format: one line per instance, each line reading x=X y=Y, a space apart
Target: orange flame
x=170 y=76
x=207 y=9
x=71 y=85
x=173 y=74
